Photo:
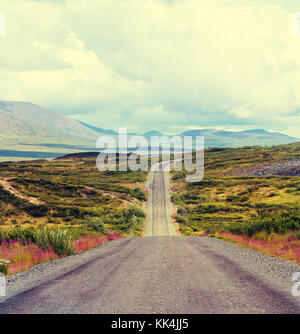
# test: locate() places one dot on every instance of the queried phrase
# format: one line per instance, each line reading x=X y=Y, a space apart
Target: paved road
x=153 y=275
x=158 y=274
x=159 y=205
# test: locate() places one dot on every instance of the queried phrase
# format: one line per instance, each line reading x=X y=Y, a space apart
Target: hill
x=29 y=122
x=26 y=128
x=256 y=137
x=29 y=131
x=153 y=133
x=100 y=130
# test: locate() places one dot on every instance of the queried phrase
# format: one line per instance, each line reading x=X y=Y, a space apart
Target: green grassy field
x=69 y=193
x=239 y=204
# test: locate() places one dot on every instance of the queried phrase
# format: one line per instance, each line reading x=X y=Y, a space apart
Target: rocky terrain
x=284 y=168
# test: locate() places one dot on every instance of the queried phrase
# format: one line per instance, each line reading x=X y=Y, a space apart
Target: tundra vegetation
x=261 y=212
x=61 y=207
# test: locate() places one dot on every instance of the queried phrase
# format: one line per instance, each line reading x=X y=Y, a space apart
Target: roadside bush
x=129 y=220
x=177 y=198
x=95 y=223
x=137 y=193
x=60 y=240
x=276 y=223
x=182 y=211
x=181 y=219
x=4 y=266
x=135 y=211
x=178 y=176
x=186 y=230
x=18 y=233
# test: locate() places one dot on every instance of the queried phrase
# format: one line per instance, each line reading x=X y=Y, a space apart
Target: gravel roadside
x=277 y=271
x=46 y=271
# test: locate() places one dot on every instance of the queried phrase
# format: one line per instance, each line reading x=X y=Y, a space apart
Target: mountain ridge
x=27 y=127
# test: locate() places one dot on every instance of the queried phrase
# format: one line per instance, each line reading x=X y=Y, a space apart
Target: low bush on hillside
x=95 y=223
x=139 y=194
x=59 y=240
x=125 y=220
x=180 y=219
x=36 y=210
x=65 y=212
x=276 y=223
x=211 y=208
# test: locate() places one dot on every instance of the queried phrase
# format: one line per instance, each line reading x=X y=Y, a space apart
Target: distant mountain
x=100 y=130
x=26 y=127
x=30 y=131
x=153 y=133
x=260 y=131
x=221 y=138
x=27 y=121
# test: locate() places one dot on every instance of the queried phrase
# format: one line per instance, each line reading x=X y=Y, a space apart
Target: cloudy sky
x=169 y=65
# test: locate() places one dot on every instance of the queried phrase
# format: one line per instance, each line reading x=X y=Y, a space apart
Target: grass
x=69 y=191
x=23 y=254
x=22 y=257
x=241 y=206
x=78 y=208
x=87 y=242
x=286 y=246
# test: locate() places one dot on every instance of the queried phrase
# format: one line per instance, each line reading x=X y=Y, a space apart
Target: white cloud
x=185 y=63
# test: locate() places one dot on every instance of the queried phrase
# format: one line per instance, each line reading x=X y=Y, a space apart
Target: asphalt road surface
x=157 y=274
x=159 y=205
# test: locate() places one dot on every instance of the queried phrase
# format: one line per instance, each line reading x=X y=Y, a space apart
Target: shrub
x=137 y=193
x=177 y=198
x=60 y=240
x=36 y=210
x=135 y=211
x=4 y=266
x=186 y=230
x=244 y=199
x=95 y=223
x=211 y=208
x=181 y=219
x=9 y=212
x=130 y=220
x=18 y=233
x=232 y=198
x=65 y=212
x=276 y=223
x=182 y=211
x=178 y=176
